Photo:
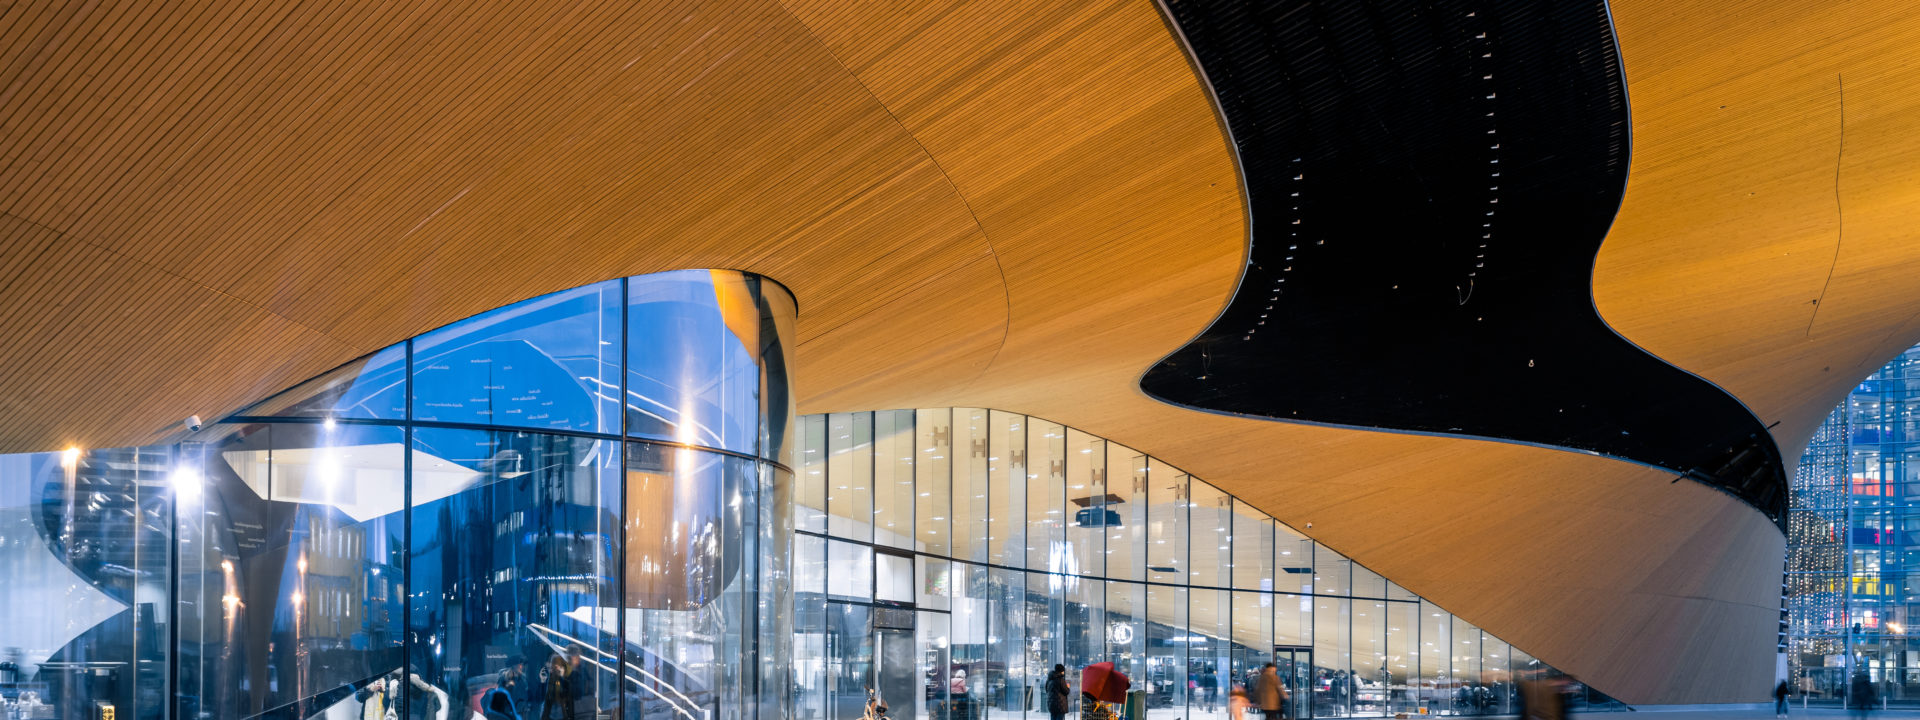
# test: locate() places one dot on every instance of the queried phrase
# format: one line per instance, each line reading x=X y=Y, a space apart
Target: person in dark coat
x=1209 y=685
x=1780 y=694
x=557 y=696
x=1058 y=693
x=498 y=705
x=581 y=679
x=1860 y=695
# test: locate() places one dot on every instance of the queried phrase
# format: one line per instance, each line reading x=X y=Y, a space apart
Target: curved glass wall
x=952 y=557
x=577 y=503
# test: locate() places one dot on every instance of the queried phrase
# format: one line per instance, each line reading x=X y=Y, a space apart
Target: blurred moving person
x=1270 y=692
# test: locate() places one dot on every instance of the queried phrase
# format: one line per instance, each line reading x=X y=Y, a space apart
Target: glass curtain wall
x=577 y=506
x=1854 y=523
x=1027 y=544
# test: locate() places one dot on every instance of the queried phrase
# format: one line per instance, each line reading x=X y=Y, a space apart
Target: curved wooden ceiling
x=987 y=204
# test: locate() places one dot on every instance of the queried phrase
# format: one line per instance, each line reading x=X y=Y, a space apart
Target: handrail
x=543 y=631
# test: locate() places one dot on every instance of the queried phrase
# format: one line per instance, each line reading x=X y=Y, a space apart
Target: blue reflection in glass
x=691 y=370
x=372 y=387
x=547 y=363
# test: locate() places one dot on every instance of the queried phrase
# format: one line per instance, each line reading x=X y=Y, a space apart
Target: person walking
x=557 y=699
x=1780 y=693
x=1237 y=703
x=1270 y=693
x=580 y=680
x=1860 y=695
x=1209 y=686
x=1058 y=694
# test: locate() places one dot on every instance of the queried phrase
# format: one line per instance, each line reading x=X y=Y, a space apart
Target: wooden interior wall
x=986 y=204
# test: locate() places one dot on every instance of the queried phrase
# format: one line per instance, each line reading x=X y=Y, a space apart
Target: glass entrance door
x=1296 y=670
x=849 y=641
x=896 y=674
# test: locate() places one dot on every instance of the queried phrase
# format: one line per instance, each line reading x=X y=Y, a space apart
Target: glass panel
x=1332 y=572
x=301 y=568
x=689 y=587
x=1469 y=696
x=1395 y=592
x=1084 y=626
x=778 y=314
x=1493 y=670
x=1046 y=634
x=1252 y=639
x=1293 y=620
x=1167 y=524
x=893 y=478
x=1126 y=513
x=770 y=510
x=1126 y=631
x=1436 y=660
x=1168 y=671
x=1367 y=583
x=809 y=566
x=849 y=658
x=970 y=485
x=1252 y=548
x=893 y=578
x=1212 y=523
x=547 y=363
x=932 y=476
x=1370 y=667
x=1007 y=519
x=849 y=571
x=498 y=515
x=850 y=476
x=1293 y=560
x=1008 y=684
x=933 y=636
x=1087 y=504
x=810 y=491
x=84 y=557
x=693 y=372
x=1046 y=497
x=1210 y=669
x=935 y=589
x=1403 y=657
x=1333 y=686
x=967 y=682
x=372 y=387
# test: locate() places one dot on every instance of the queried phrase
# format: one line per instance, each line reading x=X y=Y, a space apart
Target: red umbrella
x=1104 y=683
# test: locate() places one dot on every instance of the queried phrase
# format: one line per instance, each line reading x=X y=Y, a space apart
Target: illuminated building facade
x=1853 y=554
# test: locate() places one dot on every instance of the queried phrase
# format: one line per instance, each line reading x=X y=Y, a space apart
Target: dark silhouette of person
x=1058 y=693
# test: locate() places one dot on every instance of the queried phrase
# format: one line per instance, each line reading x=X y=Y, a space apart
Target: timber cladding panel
x=990 y=204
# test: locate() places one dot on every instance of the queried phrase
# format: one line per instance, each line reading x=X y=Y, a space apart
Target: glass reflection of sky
x=534 y=364
x=692 y=342
x=690 y=378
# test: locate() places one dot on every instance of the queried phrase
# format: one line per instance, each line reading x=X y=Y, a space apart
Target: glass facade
x=578 y=505
x=1853 y=544
x=598 y=504
x=1006 y=544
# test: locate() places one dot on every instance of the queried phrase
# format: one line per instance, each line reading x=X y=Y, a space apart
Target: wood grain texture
x=983 y=204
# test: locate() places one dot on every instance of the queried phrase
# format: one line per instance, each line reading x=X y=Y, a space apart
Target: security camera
x=193 y=423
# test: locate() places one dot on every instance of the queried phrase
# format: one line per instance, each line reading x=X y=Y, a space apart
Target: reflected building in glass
x=1853 y=543
x=599 y=504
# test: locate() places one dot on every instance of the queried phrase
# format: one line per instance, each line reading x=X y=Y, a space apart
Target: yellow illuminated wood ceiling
x=994 y=204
